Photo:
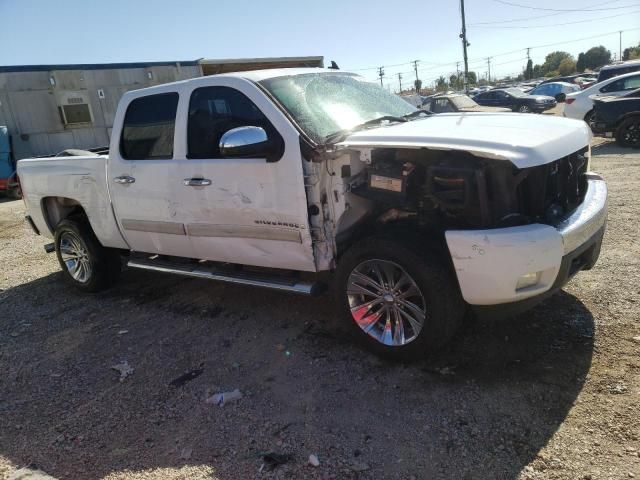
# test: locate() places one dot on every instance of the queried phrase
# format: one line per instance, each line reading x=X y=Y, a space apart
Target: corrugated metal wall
x=29 y=104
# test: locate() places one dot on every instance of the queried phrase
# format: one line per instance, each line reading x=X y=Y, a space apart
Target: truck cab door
x=241 y=192
x=142 y=173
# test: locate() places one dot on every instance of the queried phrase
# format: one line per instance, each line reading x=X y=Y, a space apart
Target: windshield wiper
x=341 y=134
x=408 y=116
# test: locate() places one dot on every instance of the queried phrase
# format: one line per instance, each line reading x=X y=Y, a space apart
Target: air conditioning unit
x=74 y=108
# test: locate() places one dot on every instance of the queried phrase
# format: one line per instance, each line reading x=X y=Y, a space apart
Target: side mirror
x=561 y=97
x=246 y=142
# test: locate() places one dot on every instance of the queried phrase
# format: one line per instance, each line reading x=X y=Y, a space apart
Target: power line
x=546 y=15
x=559 y=24
x=564 y=10
x=483 y=59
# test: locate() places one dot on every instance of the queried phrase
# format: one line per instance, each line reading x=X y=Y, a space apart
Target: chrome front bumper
x=489 y=263
x=588 y=218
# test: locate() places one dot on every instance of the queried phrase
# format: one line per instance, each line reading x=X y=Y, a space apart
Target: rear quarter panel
x=82 y=179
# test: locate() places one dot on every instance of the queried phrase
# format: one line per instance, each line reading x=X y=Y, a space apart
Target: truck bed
x=56 y=183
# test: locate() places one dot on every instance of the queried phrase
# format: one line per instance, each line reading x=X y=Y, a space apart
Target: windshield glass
x=325 y=103
x=462 y=101
x=516 y=92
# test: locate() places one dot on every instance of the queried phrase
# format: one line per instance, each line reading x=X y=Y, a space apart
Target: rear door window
x=149 y=124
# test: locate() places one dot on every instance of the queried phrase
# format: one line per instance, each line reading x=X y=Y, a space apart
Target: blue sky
x=356 y=34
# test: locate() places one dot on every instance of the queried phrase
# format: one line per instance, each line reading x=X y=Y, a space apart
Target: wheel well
x=627 y=116
x=56 y=209
x=586 y=115
x=406 y=232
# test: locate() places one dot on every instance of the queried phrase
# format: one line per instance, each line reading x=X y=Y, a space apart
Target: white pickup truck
x=291 y=179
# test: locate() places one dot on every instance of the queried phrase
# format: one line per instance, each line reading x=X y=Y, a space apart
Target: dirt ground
x=550 y=394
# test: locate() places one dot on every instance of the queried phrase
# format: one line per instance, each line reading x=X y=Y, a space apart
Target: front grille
x=550 y=192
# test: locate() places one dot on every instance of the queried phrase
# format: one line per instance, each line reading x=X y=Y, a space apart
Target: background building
x=49 y=108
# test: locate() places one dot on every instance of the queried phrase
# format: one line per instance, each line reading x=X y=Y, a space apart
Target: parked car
x=516 y=100
x=619 y=117
x=290 y=178
x=617 y=69
x=415 y=100
x=557 y=90
x=579 y=105
x=457 y=102
x=570 y=78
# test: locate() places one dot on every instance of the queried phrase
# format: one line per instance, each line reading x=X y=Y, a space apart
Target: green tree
x=472 y=79
x=441 y=84
x=631 y=53
x=596 y=57
x=567 y=66
x=453 y=81
x=528 y=73
x=552 y=61
x=418 y=85
x=537 y=71
x=580 y=63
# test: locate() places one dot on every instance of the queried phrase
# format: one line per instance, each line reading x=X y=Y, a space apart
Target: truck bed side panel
x=82 y=179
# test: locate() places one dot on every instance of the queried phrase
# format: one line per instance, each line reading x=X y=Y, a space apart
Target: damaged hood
x=527 y=140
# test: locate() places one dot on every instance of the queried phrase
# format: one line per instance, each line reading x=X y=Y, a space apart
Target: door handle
x=196 y=182
x=124 y=180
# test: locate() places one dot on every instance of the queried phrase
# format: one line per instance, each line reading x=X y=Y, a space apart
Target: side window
x=215 y=110
x=443 y=105
x=614 y=86
x=632 y=83
x=147 y=133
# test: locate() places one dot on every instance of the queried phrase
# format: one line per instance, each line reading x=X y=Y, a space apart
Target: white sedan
x=579 y=105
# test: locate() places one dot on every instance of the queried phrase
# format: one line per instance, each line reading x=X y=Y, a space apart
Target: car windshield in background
x=462 y=101
x=516 y=92
x=325 y=103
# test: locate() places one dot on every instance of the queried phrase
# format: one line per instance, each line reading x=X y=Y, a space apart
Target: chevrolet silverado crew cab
x=293 y=179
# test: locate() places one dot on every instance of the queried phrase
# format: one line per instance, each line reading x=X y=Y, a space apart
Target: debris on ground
x=224 y=397
x=186 y=452
x=122 y=332
x=313 y=460
x=124 y=368
x=271 y=460
x=360 y=467
x=187 y=377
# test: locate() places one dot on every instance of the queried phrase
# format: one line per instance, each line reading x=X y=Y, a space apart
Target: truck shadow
x=484 y=408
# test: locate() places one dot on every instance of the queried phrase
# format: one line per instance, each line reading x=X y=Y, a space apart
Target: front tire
x=590 y=117
x=628 y=133
x=399 y=304
x=524 y=108
x=86 y=264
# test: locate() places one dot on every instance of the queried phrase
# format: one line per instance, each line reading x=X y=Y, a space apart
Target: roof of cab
x=251 y=75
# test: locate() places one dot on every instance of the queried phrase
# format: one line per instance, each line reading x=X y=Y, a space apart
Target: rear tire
x=524 y=108
x=399 y=304
x=86 y=264
x=628 y=133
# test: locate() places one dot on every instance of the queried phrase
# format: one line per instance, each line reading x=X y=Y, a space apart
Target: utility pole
x=400 y=80
x=620 y=45
x=415 y=69
x=489 y=69
x=465 y=44
x=381 y=74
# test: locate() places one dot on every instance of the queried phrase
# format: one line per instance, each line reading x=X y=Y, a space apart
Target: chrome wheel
x=75 y=256
x=524 y=109
x=386 y=302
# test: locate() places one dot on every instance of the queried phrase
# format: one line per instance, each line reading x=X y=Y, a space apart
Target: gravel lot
x=550 y=394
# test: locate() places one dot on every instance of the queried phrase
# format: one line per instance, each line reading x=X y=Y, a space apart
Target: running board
x=284 y=284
